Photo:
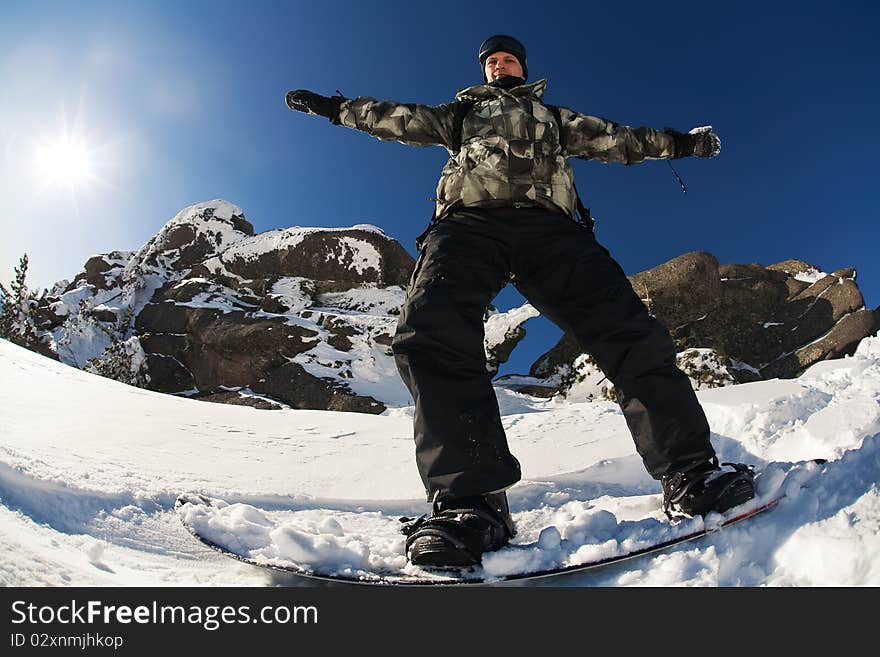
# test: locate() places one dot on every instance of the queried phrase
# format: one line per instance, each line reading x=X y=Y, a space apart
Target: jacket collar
x=487 y=92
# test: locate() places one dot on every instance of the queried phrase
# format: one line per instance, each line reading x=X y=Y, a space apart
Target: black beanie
x=505 y=43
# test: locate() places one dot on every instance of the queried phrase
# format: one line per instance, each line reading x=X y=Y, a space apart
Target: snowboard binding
x=459 y=531
x=707 y=488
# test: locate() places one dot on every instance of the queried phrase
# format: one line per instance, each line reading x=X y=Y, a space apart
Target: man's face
x=501 y=63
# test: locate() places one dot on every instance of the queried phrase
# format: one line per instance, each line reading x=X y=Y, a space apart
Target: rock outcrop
x=734 y=323
x=304 y=317
x=283 y=318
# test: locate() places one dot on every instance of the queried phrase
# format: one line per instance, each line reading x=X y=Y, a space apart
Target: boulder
x=102 y=271
x=335 y=259
x=237 y=399
x=758 y=322
x=682 y=290
x=220 y=348
x=293 y=385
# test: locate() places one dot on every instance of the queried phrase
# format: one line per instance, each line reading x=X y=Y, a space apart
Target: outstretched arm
x=594 y=138
x=416 y=125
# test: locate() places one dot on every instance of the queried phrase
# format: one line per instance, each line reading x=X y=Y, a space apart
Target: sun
x=64 y=160
x=71 y=166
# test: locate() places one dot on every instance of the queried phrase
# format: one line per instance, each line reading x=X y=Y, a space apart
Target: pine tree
x=16 y=316
x=123 y=361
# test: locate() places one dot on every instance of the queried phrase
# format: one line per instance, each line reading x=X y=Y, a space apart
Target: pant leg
x=460 y=444
x=571 y=279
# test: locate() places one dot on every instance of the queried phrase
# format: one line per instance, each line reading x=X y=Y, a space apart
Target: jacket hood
x=486 y=92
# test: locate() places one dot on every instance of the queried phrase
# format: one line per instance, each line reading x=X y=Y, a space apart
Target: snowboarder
x=506 y=212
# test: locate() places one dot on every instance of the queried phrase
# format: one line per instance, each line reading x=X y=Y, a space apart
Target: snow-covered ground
x=90 y=469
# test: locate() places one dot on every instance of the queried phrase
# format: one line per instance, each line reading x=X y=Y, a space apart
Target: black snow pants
x=555 y=263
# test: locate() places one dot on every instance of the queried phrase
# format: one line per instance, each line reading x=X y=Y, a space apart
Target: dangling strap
x=680 y=181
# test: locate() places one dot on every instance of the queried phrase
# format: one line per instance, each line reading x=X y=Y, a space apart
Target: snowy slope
x=89 y=470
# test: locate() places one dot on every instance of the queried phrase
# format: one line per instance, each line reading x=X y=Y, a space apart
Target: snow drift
x=90 y=468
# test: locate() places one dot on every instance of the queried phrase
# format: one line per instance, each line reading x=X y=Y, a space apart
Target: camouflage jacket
x=510 y=147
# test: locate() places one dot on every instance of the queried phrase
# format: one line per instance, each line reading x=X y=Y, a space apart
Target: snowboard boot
x=459 y=531
x=707 y=488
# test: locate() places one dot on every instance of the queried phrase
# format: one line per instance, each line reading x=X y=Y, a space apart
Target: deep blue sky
x=181 y=102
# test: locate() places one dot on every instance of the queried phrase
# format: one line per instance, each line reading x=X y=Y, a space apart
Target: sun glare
x=69 y=165
x=64 y=161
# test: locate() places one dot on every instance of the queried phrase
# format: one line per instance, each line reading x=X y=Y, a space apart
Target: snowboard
x=363 y=546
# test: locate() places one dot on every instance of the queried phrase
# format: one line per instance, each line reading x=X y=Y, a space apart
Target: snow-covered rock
x=304 y=317
x=757 y=322
x=301 y=315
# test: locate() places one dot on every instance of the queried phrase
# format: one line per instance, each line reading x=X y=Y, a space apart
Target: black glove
x=309 y=102
x=699 y=142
